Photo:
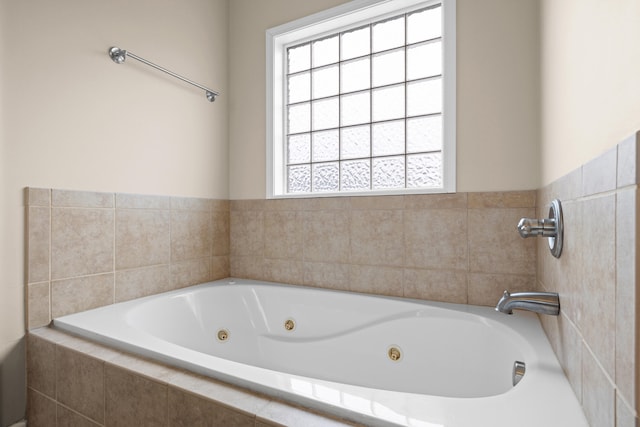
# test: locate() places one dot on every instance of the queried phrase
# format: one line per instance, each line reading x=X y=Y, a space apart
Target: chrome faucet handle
x=528 y=227
x=552 y=228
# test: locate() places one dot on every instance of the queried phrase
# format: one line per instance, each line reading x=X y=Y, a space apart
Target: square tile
x=378 y=280
x=436 y=239
x=377 y=237
x=283 y=235
x=142 y=201
x=436 y=285
x=143 y=238
x=80 y=294
x=326 y=236
x=132 y=400
x=38 y=196
x=81 y=199
x=81 y=242
x=41 y=365
x=40 y=409
x=80 y=383
x=625 y=293
x=599 y=265
x=67 y=418
x=600 y=174
x=38 y=243
x=38 y=305
x=141 y=282
x=247 y=233
x=628 y=161
x=193 y=272
x=221 y=233
x=191 y=235
x=598 y=395
x=495 y=247
x=502 y=199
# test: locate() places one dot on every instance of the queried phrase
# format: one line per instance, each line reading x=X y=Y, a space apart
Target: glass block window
x=363 y=107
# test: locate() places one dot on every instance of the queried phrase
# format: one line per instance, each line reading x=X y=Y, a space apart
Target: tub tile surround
x=596 y=335
x=458 y=248
x=89 y=249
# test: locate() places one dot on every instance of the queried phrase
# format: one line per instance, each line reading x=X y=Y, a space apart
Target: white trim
x=386 y=192
x=353 y=13
x=449 y=98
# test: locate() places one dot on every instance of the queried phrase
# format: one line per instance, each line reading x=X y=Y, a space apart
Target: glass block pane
x=299 y=118
x=388 y=172
x=326 y=177
x=325 y=82
x=388 y=138
x=299 y=58
x=424 y=134
x=424 y=60
x=355 y=175
x=388 y=67
x=355 y=109
x=299 y=179
x=299 y=87
x=356 y=43
x=325 y=146
x=424 y=97
x=355 y=142
x=388 y=103
x=424 y=170
x=355 y=75
x=388 y=34
x=325 y=114
x=424 y=25
x=299 y=149
x=325 y=51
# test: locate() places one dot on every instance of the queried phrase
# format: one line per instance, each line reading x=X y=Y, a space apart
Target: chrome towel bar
x=119 y=55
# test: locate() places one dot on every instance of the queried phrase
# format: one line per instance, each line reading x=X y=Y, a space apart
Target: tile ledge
x=255 y=405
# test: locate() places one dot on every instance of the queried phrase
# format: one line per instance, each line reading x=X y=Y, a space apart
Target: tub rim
x=421 y=408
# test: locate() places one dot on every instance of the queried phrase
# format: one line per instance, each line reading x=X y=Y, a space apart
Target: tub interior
x=387 y=344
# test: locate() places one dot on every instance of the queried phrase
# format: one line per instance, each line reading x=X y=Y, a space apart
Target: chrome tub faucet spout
x=538 y=302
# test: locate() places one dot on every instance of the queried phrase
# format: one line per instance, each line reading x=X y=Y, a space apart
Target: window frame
x=351 y=15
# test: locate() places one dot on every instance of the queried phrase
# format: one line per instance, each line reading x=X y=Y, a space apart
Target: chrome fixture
x=552 y=228
x=519 y=369
x=120 y=55
x=539 y=302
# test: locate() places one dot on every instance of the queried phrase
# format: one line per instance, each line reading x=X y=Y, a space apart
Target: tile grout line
x=113 y=287
x=50 y=237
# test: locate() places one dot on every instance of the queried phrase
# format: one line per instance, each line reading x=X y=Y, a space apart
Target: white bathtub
x=333 y=351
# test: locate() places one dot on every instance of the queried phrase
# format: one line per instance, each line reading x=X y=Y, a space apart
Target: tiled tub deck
x=75 y=382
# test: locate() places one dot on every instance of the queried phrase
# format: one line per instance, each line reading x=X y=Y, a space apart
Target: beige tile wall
x=91 y=249
x=459 y=248
x=87 y=249
x=595 y=337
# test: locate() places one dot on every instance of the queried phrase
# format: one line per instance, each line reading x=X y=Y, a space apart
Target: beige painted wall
x=497 y=99
x=248 y=21
x=590 y=65
x=71 y=118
